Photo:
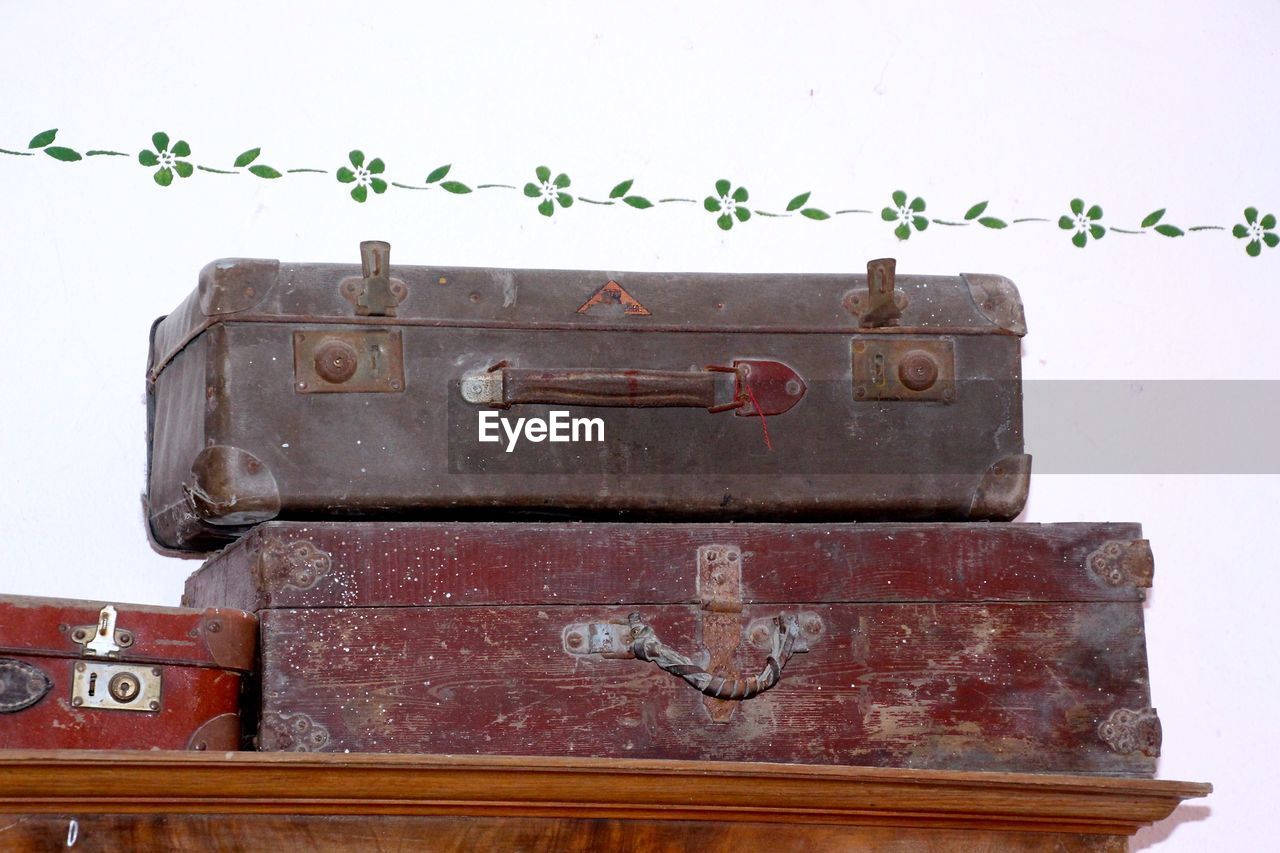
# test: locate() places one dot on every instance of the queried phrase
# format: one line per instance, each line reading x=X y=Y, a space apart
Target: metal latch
x=116 y=687
x=882 y=304
x=348 y=361
x=376 y=294
x=898 y=367
x=103 y=639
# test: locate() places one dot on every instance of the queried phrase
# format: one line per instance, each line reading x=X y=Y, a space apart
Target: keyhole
x=93 y=682
x=375 y=351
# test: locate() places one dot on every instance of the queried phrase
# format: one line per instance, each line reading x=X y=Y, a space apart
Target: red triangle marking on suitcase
x=613 y=294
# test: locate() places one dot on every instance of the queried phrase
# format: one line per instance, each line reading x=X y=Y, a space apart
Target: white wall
x=1156 y=105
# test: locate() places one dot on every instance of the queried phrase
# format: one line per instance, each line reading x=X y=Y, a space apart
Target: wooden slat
x=1013 y=687
x=476 y=563
x=255 y=783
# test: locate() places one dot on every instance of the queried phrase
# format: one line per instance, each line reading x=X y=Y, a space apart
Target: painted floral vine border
x=727 y=205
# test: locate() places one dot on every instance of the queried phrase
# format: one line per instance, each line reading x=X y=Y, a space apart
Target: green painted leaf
x=814 y=213
x=1240 y=231
x=1271 y=238
x=1066 y=223
x=1254 y=249
x=722 y=189
x=975 y=211
x=547 y=208
x=263 y=171
x=345 y=175
x=917 y=204
x=621 y=189
x=160 y=140
x=376 y=166
x=1251 y=215
x=1079 y=239
x=181 y=149
x=902 y=232
x=544 y=174
x=638 y=202
x=742 y=213
x=1269 y=221
x=740 y=195
x=532 y=190
x=1153 y=218
x=66 y=155
x=561 y=181
x=712 y=203
x=148 y=158
x=247 y=157
x=163 y=177
x=920 y=222
x=798 y=201
x=438 y=173
x=183 y=168
x=378 y=185
x=1095 y=213
x=725 y=221
x=456 y=187
x=1169 y=230
x=888 y=214
x=1097 y=232
x=565 y=199
x=899 y=198
x=1077 y=206
x=357 y=158
x=992 y=222
x=360 y=192
x=40 y=140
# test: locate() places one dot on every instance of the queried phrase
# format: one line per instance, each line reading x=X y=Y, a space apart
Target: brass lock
x=116 y=687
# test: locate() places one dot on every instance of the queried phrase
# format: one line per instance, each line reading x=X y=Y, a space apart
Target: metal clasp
x=103 y=639
x=376 y=294
x=882 y=304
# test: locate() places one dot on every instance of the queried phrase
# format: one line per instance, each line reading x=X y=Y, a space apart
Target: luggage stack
x=756 y=518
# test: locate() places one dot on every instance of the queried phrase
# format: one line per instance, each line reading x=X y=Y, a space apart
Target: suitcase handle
x=759 y=387
x=786 y=641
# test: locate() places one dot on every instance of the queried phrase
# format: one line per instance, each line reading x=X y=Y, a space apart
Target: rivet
x=793 y=387
x=759 y=635
x=860 y=392
x=214 y=626
x=77 y=702
x=154 y=705
x=302 y=386
x=574 y=640
x=80 y=667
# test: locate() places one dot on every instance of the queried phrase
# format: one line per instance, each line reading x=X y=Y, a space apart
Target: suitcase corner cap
x=1003 y=491
x=232 y=285
x=231 y=486
x=997 y=299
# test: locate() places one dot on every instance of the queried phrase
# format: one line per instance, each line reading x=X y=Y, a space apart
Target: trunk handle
x=786 y=641
x=759 y=387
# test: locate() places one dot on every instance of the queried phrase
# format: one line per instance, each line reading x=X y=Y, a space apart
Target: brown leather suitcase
x=90 y=675
x=310 y=391
x=1015 y=647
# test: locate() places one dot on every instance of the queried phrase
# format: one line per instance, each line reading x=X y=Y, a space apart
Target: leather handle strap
x=773 y=386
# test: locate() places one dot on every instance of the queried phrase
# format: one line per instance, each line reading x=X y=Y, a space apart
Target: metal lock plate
x=353 y=361
x=116 y=687
x=904 y=368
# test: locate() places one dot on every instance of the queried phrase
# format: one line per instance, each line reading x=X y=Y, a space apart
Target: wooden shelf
x=509 y=794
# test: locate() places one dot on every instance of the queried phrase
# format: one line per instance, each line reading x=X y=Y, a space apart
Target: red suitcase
x=79 y=674
x=1013 y=647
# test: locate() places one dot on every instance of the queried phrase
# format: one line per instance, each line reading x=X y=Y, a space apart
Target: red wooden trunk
x=79 y=674
x=962 y=646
